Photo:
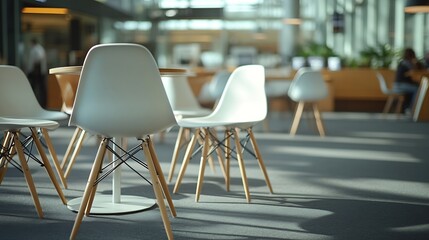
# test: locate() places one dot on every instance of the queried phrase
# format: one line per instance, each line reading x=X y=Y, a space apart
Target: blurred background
x=215 y=33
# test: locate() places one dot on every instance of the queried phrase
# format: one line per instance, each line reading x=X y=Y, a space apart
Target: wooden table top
x=75 y=70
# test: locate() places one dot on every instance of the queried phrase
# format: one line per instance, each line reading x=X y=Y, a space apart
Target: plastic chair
x=392 y=95
x=120 y=94
x=17 y=100
x=184 y=104
x=12 y=146
x=242 y=105
x=307 y=87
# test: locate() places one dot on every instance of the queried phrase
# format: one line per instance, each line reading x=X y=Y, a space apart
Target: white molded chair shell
x=17 y=99
x=383 y=86
x=182 y=99
x=392 y=95
x=243 y=104
x=308 y=85
x=243 y=101
x=133 y=108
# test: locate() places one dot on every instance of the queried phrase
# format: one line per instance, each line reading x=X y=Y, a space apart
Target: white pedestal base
x=104 y=205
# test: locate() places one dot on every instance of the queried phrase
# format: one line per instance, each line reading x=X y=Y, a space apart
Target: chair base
x=12 y=145
x=207 y=147
x=158 y=183
x=316 y=114
x=399 y=99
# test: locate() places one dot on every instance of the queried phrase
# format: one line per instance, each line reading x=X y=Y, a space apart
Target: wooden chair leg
x=70 y=147
x=399 y=105
x=76 y=152
x=297 y=118
x=209 y=158
x=88 y=189
x=259 y=159
x=161 y=178
x=186 y=159
x=94 y=188
x=7 y=140
x=318 y=119
x=227 y=159
x=27 y=175
x=158 y=190
x=54 y=157
x=388 y=105
x=177 y=146
x=204 y=154
x=47 y=165
x=241 y=165
x=221 y=162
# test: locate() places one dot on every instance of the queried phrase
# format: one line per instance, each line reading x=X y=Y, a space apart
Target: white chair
x=17 y=100
x=184 y=104
x=12 y=146
x=120 y=95
x=242 y=105
x=307 y=87
x=393 y=95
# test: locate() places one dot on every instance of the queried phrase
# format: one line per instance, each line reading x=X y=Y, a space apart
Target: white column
x=289 y=33
x=418 y=34
x=371 y=32
x=383 y=21
x=399 y=24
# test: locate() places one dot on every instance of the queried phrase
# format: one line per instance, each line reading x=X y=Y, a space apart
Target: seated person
x=403 y=80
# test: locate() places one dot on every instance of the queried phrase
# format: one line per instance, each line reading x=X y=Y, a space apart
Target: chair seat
x=191 y=112
x=52 y=115
x=211 y=122
x=394 y=92
x=13 y=123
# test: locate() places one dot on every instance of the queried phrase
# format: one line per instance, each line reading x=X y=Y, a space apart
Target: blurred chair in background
x=308 y=87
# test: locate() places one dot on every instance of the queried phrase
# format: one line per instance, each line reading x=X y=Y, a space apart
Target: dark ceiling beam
x=90 y=7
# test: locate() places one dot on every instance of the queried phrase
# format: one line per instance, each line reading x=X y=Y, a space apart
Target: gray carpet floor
x=367 y=179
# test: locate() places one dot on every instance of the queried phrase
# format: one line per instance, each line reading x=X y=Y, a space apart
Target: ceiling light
x=39 y=10
x=292 y=21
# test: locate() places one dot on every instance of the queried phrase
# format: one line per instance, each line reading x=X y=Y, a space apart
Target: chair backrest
x=17 y=98
x=243 y=99
x=120 y=93
x=308 y=85
x=382 y=83
x=179 y=93
x=68 y=86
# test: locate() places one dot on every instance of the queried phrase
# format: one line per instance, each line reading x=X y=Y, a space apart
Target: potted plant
x=380 y=56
